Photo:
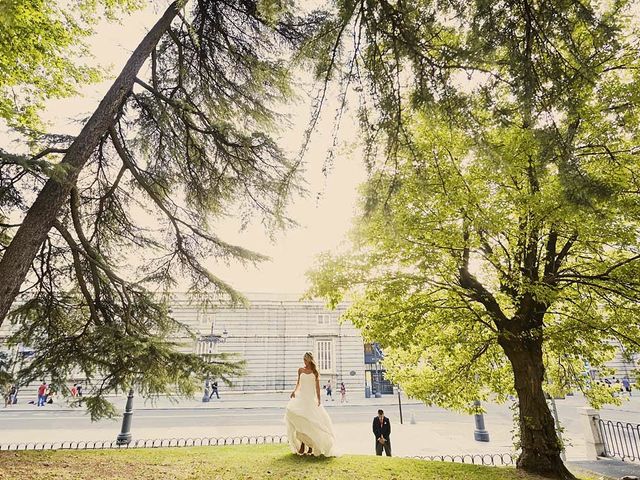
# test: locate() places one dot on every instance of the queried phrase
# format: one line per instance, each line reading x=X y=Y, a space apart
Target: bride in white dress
x=308 y=424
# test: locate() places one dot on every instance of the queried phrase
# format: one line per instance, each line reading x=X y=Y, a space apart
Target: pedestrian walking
x=329 y=390
x=214 y=389
x=79 y=388
x=13 y=394
x=343 y=393
x=382 y=432
x=627 y=385
x=42 y=390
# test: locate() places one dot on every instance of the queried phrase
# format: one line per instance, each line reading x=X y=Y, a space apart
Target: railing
x=620 y=439
x=495 y=459
x=149 y=443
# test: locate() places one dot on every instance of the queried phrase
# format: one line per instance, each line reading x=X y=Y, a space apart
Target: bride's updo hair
x=312 y=363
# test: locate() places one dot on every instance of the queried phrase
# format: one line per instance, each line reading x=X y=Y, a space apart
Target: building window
x=324 y=355
x=206 y=318
x=323 y=319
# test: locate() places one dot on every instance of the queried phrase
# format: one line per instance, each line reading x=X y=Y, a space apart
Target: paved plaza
x=435 y=431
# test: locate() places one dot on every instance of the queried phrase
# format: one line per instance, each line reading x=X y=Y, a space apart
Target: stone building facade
x=272 y=335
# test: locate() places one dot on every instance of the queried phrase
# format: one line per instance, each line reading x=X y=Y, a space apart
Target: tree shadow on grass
x=294 y=466
x=291 y=459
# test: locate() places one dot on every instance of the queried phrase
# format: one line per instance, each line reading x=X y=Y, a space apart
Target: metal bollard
x=124 y=437
x=480 y=434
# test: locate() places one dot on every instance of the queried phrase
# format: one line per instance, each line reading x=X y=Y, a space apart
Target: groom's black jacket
x=384 y=430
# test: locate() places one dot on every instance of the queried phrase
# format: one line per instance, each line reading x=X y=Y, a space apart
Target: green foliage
x=134 y=348
x=193 y=141
x=506 y=205
x=42 y=50
x=272 y=11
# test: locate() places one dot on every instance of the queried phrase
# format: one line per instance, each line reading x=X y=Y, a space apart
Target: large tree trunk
x=25 y=245
x=538 y=439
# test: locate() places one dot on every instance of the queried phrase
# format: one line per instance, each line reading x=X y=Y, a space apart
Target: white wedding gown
x=307 y=422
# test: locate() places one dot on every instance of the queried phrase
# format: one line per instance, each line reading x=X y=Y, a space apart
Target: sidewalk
x=227 y=400
x=608 y=467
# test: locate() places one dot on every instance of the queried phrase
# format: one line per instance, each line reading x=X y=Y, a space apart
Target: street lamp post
x=207 y=344
x=124 y=437
x=378 y=393
x=400 y=404
x=378 y=355
x=367 y=389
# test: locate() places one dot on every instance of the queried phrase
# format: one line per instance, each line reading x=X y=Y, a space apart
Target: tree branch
x=48 y=151
x=478 y=292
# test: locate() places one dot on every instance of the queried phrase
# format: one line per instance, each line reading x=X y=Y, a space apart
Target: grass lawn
x=232 y=462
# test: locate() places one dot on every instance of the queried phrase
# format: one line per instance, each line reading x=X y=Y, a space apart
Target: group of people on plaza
x=309 y=427
x=623 y=386
x=46 y=394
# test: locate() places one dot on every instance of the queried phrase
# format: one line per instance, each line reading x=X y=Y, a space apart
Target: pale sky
x=324 y=221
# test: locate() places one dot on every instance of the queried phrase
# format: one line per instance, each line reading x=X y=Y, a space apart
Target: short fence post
x=594 y=442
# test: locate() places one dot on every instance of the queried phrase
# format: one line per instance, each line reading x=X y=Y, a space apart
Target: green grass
x=232 y=462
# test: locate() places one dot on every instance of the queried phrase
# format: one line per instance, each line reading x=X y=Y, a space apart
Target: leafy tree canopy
x=499 y=231
x=456 y=206
x=181 y=146
x=42 y=49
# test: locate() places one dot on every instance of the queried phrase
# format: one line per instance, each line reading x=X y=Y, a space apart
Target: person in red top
x=41 y=394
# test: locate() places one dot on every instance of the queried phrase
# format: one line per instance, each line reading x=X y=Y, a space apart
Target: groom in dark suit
x=382 y=431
